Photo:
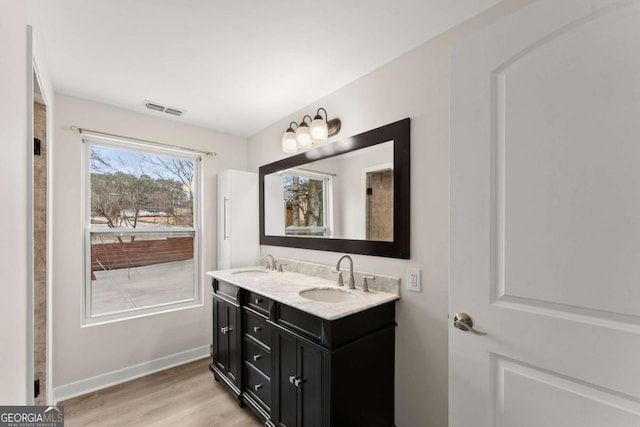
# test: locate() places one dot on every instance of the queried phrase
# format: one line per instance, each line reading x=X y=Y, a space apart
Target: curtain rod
x=162 y=144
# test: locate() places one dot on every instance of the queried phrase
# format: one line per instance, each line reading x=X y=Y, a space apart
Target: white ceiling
x=235 y=66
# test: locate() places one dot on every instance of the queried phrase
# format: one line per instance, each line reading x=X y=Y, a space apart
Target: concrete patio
x=130 y=288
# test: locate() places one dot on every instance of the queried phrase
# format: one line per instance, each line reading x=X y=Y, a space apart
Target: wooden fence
x=112 y=256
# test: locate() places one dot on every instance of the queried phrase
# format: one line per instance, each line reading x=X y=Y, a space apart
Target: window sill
x=135 y=314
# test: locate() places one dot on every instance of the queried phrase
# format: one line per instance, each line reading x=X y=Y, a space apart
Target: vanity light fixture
x=306 y=134
x=303 y=136
x=319 y=129
x=289 y=144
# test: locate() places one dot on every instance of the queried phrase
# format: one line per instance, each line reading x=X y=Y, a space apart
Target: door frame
x=30 y=222
x=36 y=67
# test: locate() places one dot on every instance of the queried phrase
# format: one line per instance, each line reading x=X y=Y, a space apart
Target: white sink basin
x=327 y=295
x=251 y=273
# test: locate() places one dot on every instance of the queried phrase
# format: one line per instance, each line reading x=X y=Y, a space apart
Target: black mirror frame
x=399 y=133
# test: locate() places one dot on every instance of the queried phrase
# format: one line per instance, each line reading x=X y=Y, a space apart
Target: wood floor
x=183 y=396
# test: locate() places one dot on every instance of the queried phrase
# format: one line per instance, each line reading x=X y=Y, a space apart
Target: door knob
x=463 y=322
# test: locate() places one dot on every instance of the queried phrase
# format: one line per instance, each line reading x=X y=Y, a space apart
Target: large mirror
x=348 y=196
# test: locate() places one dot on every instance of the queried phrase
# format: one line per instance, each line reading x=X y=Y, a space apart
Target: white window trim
x=198 y=283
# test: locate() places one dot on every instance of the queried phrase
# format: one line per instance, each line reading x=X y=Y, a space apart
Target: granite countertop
x=285 y=286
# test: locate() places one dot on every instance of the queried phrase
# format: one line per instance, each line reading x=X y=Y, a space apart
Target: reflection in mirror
x=299 y=200
x=349 y=196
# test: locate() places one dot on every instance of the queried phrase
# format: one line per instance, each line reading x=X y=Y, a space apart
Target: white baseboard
x=109 y=379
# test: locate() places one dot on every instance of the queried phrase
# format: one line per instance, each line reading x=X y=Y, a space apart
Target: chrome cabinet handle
x=295 y=380
x=257 y=387
x=256 y=357
x=224 y=214
x=464 y=322
x=257 y=329
x=224 y=330
x=258 y=300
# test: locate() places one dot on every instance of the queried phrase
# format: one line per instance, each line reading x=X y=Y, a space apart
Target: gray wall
x=416 y=86
x=89 y=357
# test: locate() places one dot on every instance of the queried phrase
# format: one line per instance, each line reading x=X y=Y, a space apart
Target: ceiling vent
x=163 y=109
x=173 y=111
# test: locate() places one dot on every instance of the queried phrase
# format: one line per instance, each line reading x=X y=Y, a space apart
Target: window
x=142 y=230
x=307 y=200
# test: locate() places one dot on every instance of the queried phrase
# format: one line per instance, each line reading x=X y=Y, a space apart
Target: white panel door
x=545 y=218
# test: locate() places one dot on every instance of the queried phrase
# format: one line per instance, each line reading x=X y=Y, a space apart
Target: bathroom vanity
x=301 y=351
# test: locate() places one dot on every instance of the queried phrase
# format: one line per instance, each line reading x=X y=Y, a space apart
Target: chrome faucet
x=271 y=264
x=352 y=281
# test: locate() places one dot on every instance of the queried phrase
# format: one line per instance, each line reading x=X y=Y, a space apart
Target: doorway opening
x=379 y=205
x=40 y=220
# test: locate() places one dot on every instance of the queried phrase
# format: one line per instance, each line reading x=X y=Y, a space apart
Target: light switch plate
x=413 y=280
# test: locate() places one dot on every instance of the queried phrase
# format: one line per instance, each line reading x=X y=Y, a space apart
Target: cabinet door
x=286 y=368
x=299 y=394
x=223 y=220
x=238 y=230
x=310 y=388
x=220 y=342
x=226 y=339
x=234 y=355
x=242 y=221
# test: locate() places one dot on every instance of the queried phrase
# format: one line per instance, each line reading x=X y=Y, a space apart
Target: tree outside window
x=304 y=199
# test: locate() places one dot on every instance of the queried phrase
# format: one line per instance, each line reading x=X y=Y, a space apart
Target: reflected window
x=306 y=203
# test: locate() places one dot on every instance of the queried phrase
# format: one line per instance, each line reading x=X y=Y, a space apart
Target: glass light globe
x=319 y=130
x=289 y=144
x=303 y=136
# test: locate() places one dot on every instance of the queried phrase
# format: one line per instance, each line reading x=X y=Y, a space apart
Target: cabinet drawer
x=257 y=328
x=258 y=356
x=300 y=322
x=226 y=291
x=258 y=386
x=258 y=303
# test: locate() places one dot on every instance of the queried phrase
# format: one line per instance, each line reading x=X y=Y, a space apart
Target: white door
x=545 y=218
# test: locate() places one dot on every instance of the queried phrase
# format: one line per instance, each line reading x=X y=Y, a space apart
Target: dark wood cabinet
x=226 y=347
x=294 y=369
